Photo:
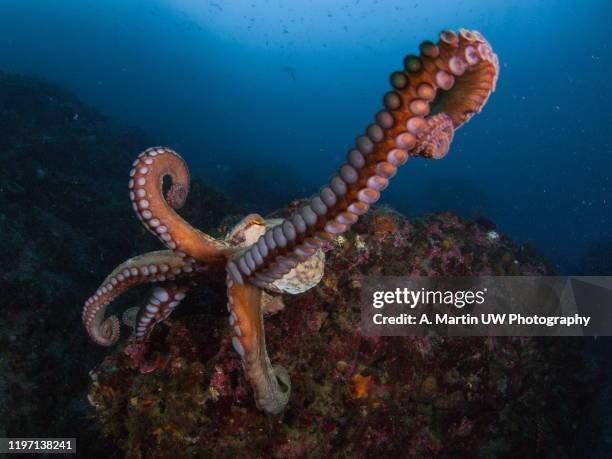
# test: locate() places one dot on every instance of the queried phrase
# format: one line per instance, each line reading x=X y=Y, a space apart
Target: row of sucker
x=158 y=266
x=176 y=196
x=164 y=299
x=271 y=383
x=402 y=129
x=233 y=320
x=157 y=213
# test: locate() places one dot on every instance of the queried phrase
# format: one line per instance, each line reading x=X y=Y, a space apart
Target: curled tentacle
x=164 y=299
x=435 y=141
x=150 y=267
x=271 y=384
x=157 y=213
x=437 y=92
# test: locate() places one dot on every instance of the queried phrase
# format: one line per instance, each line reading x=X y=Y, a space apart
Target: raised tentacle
x=246 y=319
x=150 y=267
x=157 y=213
x=164 y=299
x=437 y=92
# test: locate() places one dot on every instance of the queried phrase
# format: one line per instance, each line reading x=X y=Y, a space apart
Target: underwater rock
x=352 y=396
x=64 y=221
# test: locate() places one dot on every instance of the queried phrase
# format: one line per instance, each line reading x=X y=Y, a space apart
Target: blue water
x=263 y=99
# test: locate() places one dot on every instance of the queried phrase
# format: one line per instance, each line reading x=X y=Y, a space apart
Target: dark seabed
x=263 y=100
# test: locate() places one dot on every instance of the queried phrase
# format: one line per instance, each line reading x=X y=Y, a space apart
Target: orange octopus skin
x=246 y=319
x=160 y=266
x=435 y=93
x=157 y=215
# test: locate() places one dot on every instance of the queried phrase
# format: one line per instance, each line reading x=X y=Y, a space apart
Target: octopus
x=435 y=93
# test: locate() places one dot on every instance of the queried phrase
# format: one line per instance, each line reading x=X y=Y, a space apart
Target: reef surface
x=65 y=221
x=352 y=396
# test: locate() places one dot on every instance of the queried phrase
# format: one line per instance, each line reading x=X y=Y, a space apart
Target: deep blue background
x=263 y=98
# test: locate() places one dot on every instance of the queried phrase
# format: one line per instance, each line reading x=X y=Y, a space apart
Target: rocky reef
x=353 y=396
x=65 y=220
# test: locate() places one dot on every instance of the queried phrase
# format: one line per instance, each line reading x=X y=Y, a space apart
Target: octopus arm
x=164 y=299
x=158 y=213
x=150 y=267
x=270 y=383
x=435 y=93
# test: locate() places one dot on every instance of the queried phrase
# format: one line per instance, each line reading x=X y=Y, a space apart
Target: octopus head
x=304 y=276
x=246 y=232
